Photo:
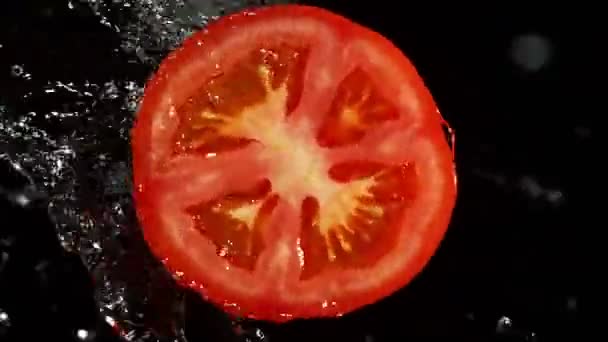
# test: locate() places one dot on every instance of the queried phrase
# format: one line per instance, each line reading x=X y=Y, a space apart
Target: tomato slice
x=290 y=163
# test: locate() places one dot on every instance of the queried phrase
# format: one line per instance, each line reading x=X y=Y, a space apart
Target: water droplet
x=572 y=304
x=259 y=334
x=582 y=132
x=83 y=334
x=504 y=324
x=554 y=196
x=532 y=188
x=4 y=319
x=286 y=315
x=231 y=305
x=111 y=321
x=22 y=199
x=5 y=322
x=3 y=257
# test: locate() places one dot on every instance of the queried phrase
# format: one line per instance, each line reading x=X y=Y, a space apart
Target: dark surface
x=509 y=267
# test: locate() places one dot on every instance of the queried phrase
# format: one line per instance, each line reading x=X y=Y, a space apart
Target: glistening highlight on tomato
x=290 y=163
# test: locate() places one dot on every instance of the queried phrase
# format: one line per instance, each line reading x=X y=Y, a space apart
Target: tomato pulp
x=290 y=163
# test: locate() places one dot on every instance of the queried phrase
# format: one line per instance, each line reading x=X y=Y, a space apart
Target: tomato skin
x=148 y=155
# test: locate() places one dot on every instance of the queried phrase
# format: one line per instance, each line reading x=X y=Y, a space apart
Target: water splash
x=71 y=148
x=151 y=28
x=77 y=160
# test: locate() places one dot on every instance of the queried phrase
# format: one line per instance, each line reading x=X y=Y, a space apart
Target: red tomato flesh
x=290 y=164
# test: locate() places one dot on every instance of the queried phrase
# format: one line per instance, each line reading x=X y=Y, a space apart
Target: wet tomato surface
x=290 y=163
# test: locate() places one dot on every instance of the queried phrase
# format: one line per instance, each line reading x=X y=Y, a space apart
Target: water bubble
x=17 y=70
x=531 y=52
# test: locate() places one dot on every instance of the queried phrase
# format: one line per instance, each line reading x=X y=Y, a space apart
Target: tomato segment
x=287 y=170
x=356 y=108
x=214 y=116
x=234 y=222
x=356 y=226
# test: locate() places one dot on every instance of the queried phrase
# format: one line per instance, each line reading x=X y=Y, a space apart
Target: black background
x=523 y=138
